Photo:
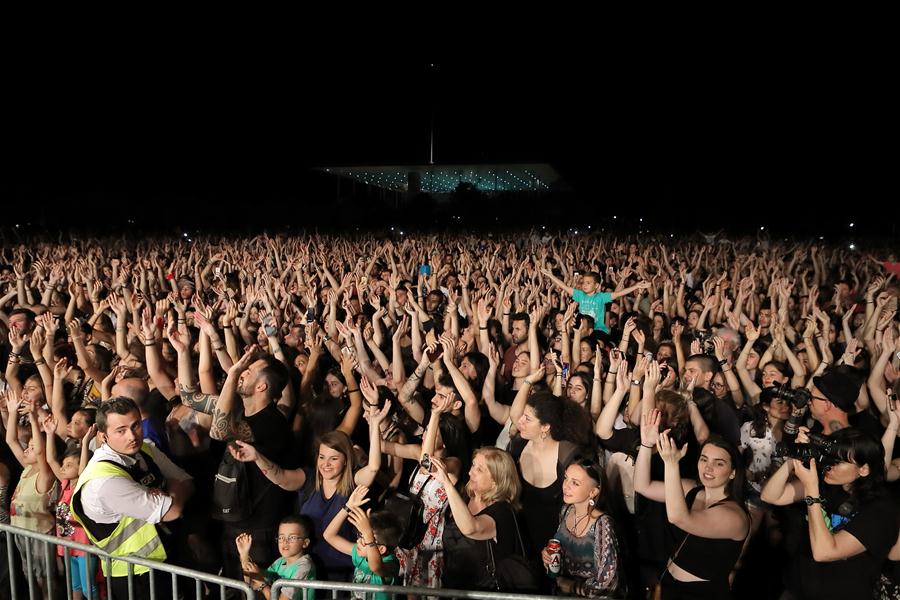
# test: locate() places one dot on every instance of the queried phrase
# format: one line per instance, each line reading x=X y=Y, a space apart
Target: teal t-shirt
x=363 y=574
x=303 y=569
x=594 y=306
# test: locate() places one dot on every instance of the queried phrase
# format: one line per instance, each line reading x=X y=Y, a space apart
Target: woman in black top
x=714 y=522
x=851 y=521
x=487 y=517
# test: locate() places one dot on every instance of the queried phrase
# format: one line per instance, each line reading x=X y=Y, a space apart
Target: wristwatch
x=635 y=382
x=810 y=500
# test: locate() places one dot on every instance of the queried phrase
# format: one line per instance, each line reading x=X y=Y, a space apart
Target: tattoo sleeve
x=200 y=402
x=227 y=426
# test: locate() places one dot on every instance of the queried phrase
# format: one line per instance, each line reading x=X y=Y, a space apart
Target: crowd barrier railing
x=46 y=549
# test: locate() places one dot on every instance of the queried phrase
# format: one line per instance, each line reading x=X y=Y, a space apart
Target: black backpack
x=231 y=498
x=410 y=510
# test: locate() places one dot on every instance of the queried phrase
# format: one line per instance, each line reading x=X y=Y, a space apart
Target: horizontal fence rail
x=48 y=544
x=397 y=592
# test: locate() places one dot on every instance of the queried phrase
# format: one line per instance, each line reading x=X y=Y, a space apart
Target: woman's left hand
x=808 y=476
x=668 y=451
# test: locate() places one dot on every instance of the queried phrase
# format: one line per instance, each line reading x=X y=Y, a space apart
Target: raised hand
x=752 y=332
x=668 y=451
x=536 y=376
x=650 y=428
x=61 y=370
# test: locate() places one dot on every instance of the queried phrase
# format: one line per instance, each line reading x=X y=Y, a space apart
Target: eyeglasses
x=289 y=538
x=820 y=398
x=717 y=385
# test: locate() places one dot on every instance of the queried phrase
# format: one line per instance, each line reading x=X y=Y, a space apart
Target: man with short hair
x=126 y=490
x=258 y=381
x=519 y=324
x=700 y=369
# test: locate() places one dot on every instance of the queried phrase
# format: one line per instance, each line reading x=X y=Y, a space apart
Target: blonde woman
x=487 y=515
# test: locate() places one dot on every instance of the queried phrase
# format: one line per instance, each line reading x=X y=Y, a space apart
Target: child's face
x=292 y=541
x=69 y=468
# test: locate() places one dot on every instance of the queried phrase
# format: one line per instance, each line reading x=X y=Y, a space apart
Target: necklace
x=578 y=521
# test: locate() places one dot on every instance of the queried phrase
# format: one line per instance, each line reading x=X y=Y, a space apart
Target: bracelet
x=482 y=328
x=596 y=379
x=40 y=361
x=646 y=446
x=226 y=326
x=726 y=370
x=505 y=314
x=612 y=372
x=346 y=508
x=723 y=362
x=559 y=375
x=219 y=348
x=150 y=344
x=352 y=391
x=15 y=354
x=635 y=382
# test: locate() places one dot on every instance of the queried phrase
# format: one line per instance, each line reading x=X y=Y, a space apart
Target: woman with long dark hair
x=590 y=559
x=551 y=430
x=849 y=516
x=708 y=512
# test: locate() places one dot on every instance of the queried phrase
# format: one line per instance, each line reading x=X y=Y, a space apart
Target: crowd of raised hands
x=405 y=314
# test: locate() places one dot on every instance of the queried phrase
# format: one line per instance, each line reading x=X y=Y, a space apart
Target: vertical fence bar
x=89 y=576
x=130 y=581
x=222 y=592
x=174 y=586
x=67 y=567
x=12 y=564
x=51 y=570
x=28 y=573
x=198 y=590
x=153 y=585
x=109 y=591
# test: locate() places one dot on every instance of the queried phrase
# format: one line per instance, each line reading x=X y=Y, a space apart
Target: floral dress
x=424 y=564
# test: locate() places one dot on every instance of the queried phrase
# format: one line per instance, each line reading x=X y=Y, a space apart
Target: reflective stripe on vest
x=131 y=537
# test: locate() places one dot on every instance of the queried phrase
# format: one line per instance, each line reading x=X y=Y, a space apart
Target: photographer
x=848 y=515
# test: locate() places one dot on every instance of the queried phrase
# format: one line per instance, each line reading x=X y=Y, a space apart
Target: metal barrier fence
x=368 y=591
x=47 y=545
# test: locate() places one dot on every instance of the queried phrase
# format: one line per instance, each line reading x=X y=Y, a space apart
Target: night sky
x=681 y=145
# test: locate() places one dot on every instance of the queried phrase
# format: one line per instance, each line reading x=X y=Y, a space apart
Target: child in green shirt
x=373 y=555
x=294 y=563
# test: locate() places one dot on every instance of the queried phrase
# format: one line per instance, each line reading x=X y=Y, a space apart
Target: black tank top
x=707 y=558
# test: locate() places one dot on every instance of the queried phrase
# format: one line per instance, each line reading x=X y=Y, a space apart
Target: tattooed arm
x=287 y=479
x=228 y=419
x=204 y=403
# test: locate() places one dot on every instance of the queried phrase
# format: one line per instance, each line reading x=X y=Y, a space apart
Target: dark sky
x=676 y=142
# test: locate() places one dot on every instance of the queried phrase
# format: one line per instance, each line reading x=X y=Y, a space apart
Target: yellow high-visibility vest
x=131 y=537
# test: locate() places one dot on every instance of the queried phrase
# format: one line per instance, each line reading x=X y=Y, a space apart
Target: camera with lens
x=820 y=447
x=798 y=397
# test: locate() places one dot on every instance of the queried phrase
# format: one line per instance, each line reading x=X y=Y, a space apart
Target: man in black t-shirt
x=258 y=382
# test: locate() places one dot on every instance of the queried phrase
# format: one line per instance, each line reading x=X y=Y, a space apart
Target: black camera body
x=820 y=447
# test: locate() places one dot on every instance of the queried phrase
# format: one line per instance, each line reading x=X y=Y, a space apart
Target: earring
x=591 y=502
x=543 y=435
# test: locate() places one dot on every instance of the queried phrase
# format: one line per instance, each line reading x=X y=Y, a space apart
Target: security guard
x=127 y=488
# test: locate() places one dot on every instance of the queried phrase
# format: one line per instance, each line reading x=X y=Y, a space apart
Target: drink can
x=553 y=549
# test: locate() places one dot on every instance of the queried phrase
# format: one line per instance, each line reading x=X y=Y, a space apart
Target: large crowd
x=577 y=415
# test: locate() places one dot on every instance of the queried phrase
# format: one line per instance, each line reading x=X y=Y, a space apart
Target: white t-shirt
x=108 y=499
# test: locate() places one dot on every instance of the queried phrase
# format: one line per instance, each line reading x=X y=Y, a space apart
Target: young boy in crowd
x=373 y=555
x=293 y=539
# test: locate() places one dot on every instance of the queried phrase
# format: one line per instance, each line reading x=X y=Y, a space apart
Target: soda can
x=554 y=550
